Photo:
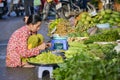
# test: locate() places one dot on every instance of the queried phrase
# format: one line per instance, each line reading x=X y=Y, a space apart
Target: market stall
x=83 y=51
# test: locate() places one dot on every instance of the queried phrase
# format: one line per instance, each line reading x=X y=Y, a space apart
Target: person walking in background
x=37 y=4
x=16 y=5
x=42 y=4
x=10 y=6
x=85 y=5
x=13 y=5
x=29 y=7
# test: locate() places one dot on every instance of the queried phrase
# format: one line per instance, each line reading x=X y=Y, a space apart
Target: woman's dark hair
x=34 y=19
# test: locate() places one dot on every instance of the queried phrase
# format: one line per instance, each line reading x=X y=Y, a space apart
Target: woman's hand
x=48 y=45
x=42 y=46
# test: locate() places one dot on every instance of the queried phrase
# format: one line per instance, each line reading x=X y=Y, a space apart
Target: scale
x=59 y=43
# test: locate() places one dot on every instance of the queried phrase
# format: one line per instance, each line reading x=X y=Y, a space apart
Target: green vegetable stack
x=74 y=48
x=53 y=24
x=108 y=16
x=98 y=62
x=105 y=36
x=87 y=21
x=62 y=27
x=46 y=58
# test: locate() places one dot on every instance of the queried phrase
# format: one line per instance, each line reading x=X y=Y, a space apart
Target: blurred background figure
x=16 y=6
x=85 y=5
x=37 y=5
x=10 y=6
x=42 y=4
x=29 y=7
x=3 y=7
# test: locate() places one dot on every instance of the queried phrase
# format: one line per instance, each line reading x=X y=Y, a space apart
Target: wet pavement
x=8 y=26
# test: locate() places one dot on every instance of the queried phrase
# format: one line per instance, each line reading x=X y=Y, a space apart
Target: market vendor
x=17 y=46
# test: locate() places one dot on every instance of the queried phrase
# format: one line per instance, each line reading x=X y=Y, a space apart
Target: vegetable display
x=105 y=36
x=105 y=16
x=96 y=62
x=53 y=24
x=108 y=16
x=85 y=21
x=83 y=60
x=62 y=26
x=46 y=58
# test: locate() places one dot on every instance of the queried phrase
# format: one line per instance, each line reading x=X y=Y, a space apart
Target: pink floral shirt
x=17 y=48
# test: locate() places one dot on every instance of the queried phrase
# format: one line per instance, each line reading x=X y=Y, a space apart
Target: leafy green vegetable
x=89 y=65
x=105 y=36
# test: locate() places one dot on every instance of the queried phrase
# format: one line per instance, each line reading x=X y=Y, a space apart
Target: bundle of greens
x=104 y=65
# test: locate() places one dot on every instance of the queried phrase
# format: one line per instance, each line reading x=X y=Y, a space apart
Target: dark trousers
x=84 y=4
x=29 y=7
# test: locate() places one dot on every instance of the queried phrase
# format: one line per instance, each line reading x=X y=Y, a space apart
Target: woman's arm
x=22 y=45
x=25 y=52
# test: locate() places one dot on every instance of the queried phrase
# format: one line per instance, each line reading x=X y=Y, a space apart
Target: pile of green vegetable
x=77 y=47
x=108 y=16
x=53 y=25
x=74 y=48
x=61 y=27
x=87 y=21
x=46 y=58
x=104 y=16
x=105 y=36
x=87 y=66
x=78 y=34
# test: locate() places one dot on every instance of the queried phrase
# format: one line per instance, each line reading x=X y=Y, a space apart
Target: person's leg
x=26 y=7
x=84 y=5
x=37 y=9
x=31 y=6
x=11 y=8
x=22 y=7
x=8 y=5
x=42 y=5
x=46 y=10
x=17 y=10
x=32 y=10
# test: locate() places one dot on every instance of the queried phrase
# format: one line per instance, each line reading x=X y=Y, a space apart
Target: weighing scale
x=59 y=43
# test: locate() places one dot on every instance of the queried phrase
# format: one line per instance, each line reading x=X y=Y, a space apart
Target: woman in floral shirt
x=17 y=45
